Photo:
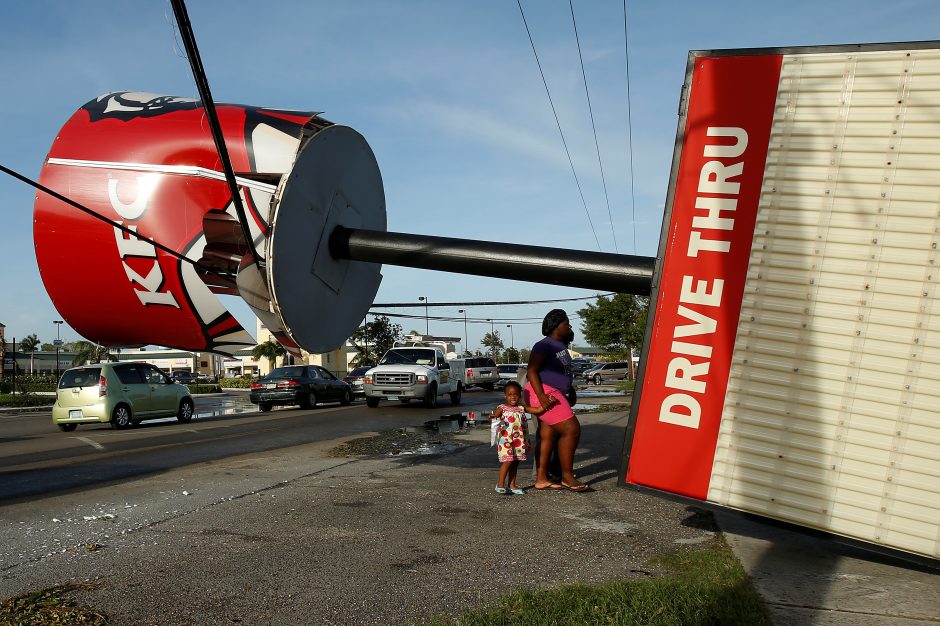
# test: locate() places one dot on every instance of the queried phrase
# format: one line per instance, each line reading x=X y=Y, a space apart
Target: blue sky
x=447 y=94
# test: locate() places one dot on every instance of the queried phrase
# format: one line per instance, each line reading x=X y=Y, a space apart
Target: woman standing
x=550 y=385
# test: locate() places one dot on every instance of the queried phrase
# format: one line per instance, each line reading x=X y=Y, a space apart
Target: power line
x=405 y=305
x=587 y=93
x=626 y=55
x=470 y=320
x=215 y=127
x=117 y=225
x=558 y=123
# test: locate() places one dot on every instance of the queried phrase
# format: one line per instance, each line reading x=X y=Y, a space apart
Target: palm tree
x=88 y=352
x=269 y=350
x=29 y=344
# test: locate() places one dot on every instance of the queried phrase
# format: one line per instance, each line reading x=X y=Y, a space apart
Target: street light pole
x=512 y=337
x=58 y=342
x=427 y=325
x=466 y=337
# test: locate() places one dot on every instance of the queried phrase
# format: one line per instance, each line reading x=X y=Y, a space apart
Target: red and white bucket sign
x=148 y=162
x=724 y=148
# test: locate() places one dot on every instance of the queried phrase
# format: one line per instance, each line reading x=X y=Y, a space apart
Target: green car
x=123 y=394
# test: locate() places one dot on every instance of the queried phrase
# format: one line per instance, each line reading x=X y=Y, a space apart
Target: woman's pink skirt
x=559 y=412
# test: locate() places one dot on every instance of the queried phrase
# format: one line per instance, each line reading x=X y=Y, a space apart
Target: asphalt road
x=37 y=458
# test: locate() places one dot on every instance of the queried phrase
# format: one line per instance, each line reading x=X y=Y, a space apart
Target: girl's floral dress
x=511 y=433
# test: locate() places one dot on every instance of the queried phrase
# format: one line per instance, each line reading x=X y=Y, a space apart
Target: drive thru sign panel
x=792 y=366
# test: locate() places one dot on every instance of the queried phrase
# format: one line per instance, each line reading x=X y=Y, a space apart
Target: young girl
x=509 y=431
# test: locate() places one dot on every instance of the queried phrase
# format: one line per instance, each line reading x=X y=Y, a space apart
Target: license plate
x=75 y=414
x=271 y=386
x=485 y=374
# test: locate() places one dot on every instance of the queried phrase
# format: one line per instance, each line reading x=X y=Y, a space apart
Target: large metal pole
x=427 y=325
x=58 y=342
x=466 y=338
x=620 y=273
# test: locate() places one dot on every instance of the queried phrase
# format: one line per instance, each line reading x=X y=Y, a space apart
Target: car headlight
x=421 y=379
x=367 y=380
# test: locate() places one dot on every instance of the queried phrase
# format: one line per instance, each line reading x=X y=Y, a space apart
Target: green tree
x=88 y=352
x=616 y=324
x=270 y=350
x=48 y=347
x=494 y=343
x=30 y=344
x=511 y=355
x=374 y=339
x=524 y=355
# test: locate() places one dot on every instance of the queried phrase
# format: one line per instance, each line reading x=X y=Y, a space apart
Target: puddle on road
x=220 y=407
x=459 y=422
x=411 y=441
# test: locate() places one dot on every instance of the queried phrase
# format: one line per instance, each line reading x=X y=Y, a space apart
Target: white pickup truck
x=413 y=373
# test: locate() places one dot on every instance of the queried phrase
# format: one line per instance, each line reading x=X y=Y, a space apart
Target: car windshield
x=408 y=355
x=507 y=369
x=293 y=371
x=359 y=371
x=81 y=377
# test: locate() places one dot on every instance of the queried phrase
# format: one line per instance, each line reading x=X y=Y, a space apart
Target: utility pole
x=427 y=325
x=58 y=343
x=466 y=336
x=512 y=337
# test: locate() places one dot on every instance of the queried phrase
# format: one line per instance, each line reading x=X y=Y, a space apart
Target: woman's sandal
x=579 y=488
x=501 y=490
x=517 y=492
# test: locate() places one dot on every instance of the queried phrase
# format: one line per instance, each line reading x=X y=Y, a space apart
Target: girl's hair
x=512 y=383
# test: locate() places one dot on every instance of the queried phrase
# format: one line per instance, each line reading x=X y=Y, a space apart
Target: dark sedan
x=184 y=378
x=355 y=379
x=304 y=385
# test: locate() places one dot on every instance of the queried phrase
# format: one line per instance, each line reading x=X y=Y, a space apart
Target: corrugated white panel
x=832 y=416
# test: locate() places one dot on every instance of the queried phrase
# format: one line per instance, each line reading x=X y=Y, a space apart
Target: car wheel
x=455 y=395
x=309 y=402
x=67 y=428
x=346 y=400
x=372 y=402
x=597 y=379
x=404 y=400
x=264 y=407
x=185 y=414
x=121 y=416
x=430 y=398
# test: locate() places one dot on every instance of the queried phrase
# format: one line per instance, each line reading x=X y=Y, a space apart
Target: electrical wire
x=405 y=305
x=520 y=321
x=208 y=105
x=626 y=55
x=558 y=123
x=587 y=93
x=116 y=225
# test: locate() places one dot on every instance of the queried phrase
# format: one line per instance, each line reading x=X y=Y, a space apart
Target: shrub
x=7 y=399
x=29 y=383
x=202 y=388
x=236 y=383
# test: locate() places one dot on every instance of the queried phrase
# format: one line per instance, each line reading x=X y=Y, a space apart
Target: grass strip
x=706 y=586
x=49 y=607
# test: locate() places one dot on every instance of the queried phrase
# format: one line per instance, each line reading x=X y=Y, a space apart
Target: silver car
x=617 y=370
